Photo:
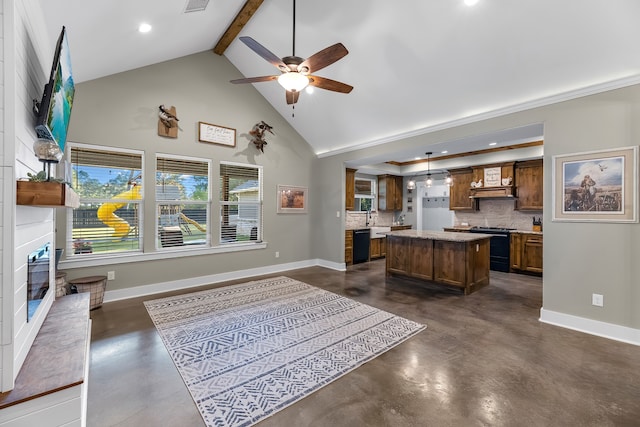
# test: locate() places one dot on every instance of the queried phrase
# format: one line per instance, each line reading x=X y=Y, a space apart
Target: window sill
x=101 y=260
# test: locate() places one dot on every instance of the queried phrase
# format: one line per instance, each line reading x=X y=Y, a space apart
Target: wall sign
x=492 y=177
x=216 y=134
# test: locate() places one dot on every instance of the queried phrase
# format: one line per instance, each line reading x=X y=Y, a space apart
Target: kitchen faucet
x=367 y=218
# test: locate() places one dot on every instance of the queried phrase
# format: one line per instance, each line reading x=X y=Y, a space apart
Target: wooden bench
x=51 y=387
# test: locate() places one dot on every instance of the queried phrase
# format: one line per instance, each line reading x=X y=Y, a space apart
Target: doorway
x=432 y=207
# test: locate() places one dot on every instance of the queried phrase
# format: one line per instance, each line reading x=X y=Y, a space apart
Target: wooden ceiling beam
x=241 y=19
x=470 y=153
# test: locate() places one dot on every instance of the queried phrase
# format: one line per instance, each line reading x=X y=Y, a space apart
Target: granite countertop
x=469 y=227
x=459 y=228
x=368 y=227
x=526 y=232
x=450 y=236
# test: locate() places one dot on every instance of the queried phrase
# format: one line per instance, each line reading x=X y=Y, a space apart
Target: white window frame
x=259 y=204
x=69 y=247
x=372 y=195
x=208 y=202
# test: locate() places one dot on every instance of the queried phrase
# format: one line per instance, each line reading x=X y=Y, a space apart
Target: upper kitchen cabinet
x=350 y=186
x=390 y=190
x=459 y=193
x=529 y=185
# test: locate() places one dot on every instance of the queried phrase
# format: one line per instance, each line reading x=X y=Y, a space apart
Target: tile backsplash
x=492 y=213
x=498 y=213
x=354 y=219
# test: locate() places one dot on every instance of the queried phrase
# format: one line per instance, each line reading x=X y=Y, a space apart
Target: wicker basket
x=95 y=285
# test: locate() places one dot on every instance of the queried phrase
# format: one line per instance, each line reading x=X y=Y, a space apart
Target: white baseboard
x=589 y=326
x=138 y=291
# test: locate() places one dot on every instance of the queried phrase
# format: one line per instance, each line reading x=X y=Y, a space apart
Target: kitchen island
x=449 y=258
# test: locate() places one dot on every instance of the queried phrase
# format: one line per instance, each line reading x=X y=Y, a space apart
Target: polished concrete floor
x=484 y=360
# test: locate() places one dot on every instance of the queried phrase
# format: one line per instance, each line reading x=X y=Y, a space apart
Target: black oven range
x=499 y=247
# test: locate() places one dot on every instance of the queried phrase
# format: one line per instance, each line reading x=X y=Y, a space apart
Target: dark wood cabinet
x=526 y=252
x=532 y=253
x=529 y=185
x=350 y=189
x=421 y=261
x=377 y=248
x=515 y=252
x=390 y=191
x=398 y=250
x=459 y=192
x=464 y=264
x=449 y=268
x=348 y=247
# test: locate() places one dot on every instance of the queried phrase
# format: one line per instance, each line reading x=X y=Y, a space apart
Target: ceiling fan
x=295 y=71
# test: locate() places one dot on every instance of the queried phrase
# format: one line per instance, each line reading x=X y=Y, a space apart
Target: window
x=109 y=184
x=240 y=203
x=365 y=194
x=183 y=202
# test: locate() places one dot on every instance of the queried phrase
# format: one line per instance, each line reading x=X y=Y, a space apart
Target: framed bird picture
x=215 y=134
x=596 y=186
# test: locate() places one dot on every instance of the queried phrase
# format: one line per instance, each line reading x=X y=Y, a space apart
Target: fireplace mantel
x=48 y=194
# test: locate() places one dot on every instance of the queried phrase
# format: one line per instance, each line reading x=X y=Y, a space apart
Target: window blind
x=240 y=203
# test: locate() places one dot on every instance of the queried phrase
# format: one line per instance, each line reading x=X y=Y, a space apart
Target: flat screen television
x=54 y=110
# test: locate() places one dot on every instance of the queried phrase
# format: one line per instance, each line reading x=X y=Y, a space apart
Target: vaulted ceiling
x=415 y=65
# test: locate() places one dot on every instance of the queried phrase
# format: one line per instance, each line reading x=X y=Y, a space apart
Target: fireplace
x=37 y=278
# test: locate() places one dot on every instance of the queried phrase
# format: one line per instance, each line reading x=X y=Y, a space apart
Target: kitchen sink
x=378 y=232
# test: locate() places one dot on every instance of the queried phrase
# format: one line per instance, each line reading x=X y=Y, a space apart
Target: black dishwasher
x=361 y=241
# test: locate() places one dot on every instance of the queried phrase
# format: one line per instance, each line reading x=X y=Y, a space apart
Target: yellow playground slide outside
x=106 y=212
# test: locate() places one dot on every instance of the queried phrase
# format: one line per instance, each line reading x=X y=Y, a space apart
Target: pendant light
x=411 y=184
x=428 y=181
x=448 y=180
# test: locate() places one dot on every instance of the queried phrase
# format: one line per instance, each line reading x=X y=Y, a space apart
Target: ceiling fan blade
x=255 y=79
x=328 y=84
x=323 y=58
x=292 y=97
x=264 y=52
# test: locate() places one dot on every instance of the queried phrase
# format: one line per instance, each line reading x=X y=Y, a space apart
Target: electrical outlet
x=597 y=300
x=111 y=275
x=277 y=254
x=337 y=214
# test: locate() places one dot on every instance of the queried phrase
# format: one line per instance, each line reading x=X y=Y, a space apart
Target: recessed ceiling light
x=493 y=143
x=417 y=158
x=144 y=27
x=444 y=152
x=470 y=2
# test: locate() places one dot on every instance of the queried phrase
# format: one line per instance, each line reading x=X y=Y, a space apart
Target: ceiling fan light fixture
x=293 y=81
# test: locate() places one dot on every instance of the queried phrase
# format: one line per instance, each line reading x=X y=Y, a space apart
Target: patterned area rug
x=247 y=351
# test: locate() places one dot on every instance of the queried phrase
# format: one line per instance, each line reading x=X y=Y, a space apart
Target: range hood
x=504 y=192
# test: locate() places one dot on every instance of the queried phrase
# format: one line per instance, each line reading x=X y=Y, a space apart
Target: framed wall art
x=292 y=199
x=596 y=186
x=215 y=134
